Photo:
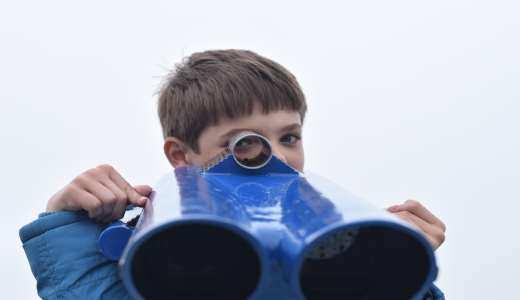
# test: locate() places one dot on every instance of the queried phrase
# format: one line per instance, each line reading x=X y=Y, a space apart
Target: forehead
x=263 y=123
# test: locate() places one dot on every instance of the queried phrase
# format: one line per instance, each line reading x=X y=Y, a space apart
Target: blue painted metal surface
x=113 y=240
x=269 y=233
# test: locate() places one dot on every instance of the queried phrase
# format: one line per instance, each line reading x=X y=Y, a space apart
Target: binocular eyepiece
x=250 y=150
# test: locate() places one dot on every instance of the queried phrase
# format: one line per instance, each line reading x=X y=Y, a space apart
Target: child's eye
x=290 y=139
x=244 y=143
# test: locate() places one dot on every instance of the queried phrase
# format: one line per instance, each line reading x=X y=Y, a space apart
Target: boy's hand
x=417 y=215
x=102 y=192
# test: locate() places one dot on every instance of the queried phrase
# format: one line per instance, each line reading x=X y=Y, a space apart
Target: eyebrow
x=291 y=127
x=232 y=132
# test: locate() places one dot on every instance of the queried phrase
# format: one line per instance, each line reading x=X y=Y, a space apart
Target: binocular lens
x=251 y=150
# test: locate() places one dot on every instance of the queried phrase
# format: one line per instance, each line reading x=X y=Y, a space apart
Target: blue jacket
x=62 y=250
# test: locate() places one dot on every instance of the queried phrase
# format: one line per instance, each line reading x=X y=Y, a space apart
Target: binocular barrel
x=248 y=226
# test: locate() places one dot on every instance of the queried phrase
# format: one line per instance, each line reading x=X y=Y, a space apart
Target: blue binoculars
x=248 y=226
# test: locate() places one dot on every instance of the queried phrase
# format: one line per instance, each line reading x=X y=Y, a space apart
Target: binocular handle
x=113 y=239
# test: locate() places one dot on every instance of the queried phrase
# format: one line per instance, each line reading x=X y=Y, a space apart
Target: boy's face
x=282 y=128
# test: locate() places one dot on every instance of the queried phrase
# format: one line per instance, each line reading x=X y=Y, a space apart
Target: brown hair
x=212 y=84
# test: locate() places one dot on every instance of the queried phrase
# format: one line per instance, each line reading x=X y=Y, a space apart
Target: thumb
x=140 y=194
x=143 y=190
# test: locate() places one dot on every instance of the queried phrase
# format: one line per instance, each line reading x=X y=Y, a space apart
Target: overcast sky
x=407 y=99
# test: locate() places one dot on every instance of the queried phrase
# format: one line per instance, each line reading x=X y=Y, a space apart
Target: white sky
x=408 y=99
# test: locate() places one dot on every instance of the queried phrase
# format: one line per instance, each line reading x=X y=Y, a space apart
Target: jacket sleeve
x=62 y=251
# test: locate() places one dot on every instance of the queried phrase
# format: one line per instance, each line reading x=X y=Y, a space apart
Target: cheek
x=296 y=159
x=209 y=155
x=199 y=159
x=194 y=159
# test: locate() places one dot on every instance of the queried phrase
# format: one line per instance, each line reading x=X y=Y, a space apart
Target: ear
x=176 y=152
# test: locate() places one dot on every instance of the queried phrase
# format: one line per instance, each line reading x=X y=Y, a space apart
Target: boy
x=210 y=97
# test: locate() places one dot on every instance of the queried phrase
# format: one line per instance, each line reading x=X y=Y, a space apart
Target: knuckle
x=130 y=191
x=71 y=188
x=110 y=199
x=440 y=237
x=105 y=168
x=97 y=207
x=443 y=226
x=93 y=173
x=119 y=194
x=120 y=197
x=79 y=180
x=413 y=203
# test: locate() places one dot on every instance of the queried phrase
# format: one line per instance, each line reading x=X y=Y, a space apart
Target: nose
x=278 y=153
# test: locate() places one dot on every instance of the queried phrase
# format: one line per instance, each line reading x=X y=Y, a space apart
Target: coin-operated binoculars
x=248 y=226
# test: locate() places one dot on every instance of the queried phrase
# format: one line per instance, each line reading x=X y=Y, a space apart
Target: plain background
x=407 y=99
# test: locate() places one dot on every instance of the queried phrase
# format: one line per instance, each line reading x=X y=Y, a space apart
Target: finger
x=428 y=230
x=410 y=221
x=89 y=203
x=143 y=190
x=121 y=204
x=419 y=210
x=119 y=210
x=121 y=199
x=116 y=190
x=101 y=192
x=133 y=196
x=420 y=223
